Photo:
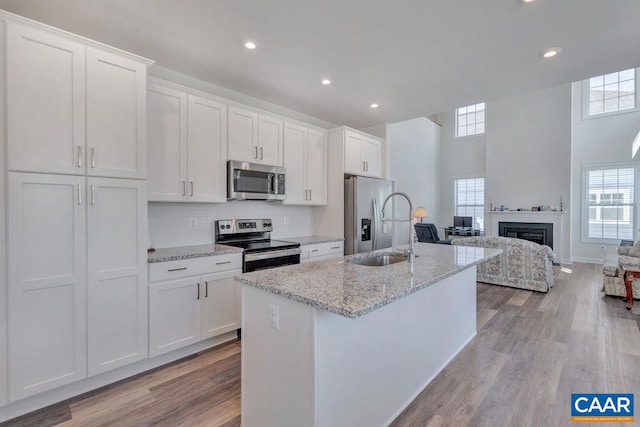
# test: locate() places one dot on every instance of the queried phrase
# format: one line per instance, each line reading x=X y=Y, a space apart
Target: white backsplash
x=183 y=224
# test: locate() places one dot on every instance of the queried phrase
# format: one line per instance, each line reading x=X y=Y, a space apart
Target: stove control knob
x=221 y=226
x=228 y=226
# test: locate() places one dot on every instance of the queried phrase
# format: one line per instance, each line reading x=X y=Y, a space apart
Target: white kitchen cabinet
x=116 y=116
x=219 y=313
x=73 y=109
x=45 y=102
x=192 y=300
x=117 y=303
x=306 y=163
x=187 y=146
x=362 y=154
x=321 y=251
x=174 y=315
x=47 y=282
x=78 y=278
x=255 y=138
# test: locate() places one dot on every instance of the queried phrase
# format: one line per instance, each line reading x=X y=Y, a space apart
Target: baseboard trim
x=41 y=400
x=588 y=260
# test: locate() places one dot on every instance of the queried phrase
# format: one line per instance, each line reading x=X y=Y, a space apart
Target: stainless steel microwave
x=250 y=181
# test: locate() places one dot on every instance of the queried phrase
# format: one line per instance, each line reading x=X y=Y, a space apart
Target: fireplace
x=538 y=232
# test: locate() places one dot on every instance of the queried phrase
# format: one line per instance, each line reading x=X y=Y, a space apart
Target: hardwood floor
x=531 y=352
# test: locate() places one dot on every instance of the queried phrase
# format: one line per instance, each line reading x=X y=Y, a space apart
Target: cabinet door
x=45 y=102
x=116 y=116
x=294 y=162
x=371 y=156
x=243 y=135
x=317 y=167
x=353 y=162
x=166 y=144
x=270 y=141
x=47 y=276
x=117 y=317
x=174 y=315
x=207 y=150
x=219 y=306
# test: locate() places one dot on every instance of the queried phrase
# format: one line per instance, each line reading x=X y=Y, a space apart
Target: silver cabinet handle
x=315 y=250
x=306 y=197
x=79 y=156
x=335 y=247
x=93 y=157
x=206 y=289
x=222 y=263
x=310 y=197
x=184 y=188
x=93 y=195
x=191 y=188
x=364 y=168
x=79 y=194
x=177 y=269
x=198 y=296
x=255 y=156
x=261 y=153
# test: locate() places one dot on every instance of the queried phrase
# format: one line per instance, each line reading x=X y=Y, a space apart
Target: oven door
x=270 y=259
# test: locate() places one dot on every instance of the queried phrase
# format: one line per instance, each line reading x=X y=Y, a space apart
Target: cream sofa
x=612 y=280
x=522 y=264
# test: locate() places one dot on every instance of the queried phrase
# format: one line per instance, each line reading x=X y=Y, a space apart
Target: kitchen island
x=334 y=343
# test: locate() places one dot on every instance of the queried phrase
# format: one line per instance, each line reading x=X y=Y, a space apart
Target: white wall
x=461 y=158
x=596 y=141
x=414 y=164
x=169 y=223
x=525 y=155
x=3 y=236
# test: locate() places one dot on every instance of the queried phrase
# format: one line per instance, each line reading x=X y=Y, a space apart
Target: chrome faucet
x=410 y=220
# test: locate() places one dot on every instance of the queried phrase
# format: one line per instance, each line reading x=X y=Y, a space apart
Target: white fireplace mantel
x=553 y=217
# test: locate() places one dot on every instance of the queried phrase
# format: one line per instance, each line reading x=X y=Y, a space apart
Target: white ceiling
x=413 y=57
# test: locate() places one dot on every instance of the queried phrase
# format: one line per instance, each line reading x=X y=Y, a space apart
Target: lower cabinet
x=186 y=310
x=321 y=251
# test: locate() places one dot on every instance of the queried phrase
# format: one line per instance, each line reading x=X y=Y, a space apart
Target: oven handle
x=271 y=254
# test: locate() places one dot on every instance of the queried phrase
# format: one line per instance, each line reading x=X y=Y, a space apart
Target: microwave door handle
x=270 y=179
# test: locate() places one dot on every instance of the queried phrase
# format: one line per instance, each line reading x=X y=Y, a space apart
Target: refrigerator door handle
x=376 y=225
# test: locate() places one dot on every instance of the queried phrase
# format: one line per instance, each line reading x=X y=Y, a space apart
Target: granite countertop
x=312 y=240
x=353 y=290
x=196 y=251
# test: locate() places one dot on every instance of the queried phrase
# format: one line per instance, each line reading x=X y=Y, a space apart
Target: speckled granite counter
x=196 y=251
x=312 y=240
x=353 y=290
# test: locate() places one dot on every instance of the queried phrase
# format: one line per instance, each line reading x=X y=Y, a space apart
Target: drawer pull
x=335 y=247
x=177 y=269
x=225 y=262
x=315 y=250
x=206 y=289
x=198 y=297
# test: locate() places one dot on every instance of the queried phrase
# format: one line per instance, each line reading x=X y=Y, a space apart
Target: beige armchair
x=612 y=280
x=522 y=264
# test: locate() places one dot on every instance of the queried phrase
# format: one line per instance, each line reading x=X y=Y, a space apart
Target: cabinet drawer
x=324 y=249
x=193 y=267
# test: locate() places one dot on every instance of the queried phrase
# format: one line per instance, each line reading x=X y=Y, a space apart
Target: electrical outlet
x=274 y=317
x=193 y=223
x=286 y=220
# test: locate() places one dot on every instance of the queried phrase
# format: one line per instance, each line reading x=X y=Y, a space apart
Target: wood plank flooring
x=531 y=352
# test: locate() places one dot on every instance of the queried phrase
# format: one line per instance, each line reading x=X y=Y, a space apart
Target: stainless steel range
x=254 y=236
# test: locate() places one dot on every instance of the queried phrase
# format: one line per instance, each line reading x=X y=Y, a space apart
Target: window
x=610 y=93
x=469 y=199
x=470 y=120
x=610 y=201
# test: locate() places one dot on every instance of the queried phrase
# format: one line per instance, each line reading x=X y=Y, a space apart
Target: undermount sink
x=379 y=260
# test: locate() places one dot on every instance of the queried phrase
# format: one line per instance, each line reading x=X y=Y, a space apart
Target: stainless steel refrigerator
x=363 y=198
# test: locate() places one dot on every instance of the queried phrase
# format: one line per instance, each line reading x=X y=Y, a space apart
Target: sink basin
x=379 y=260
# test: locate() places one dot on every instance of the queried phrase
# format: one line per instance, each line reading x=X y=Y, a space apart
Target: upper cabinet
x=255 y=138
x=305 y=159
x=73 y=109
x=362 y=154
x=186 y=146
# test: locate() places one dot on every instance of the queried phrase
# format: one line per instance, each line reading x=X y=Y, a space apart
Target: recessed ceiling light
x=550 y=53
x=326 y=82
x=526 y=1
x=374 y=105
x=250 y=45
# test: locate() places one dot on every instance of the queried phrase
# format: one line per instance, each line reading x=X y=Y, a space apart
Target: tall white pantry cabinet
x=76 y=208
